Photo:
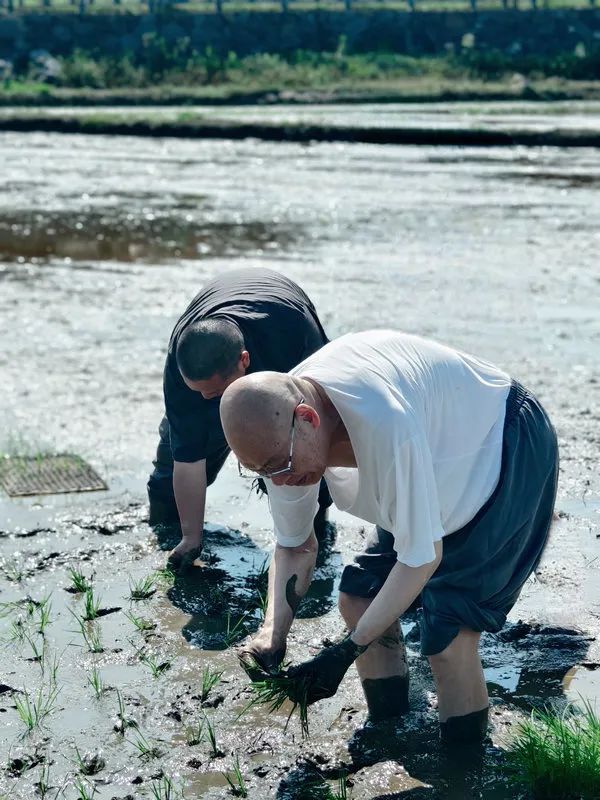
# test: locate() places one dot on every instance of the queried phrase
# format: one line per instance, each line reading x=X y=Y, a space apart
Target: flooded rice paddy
x=103 y=241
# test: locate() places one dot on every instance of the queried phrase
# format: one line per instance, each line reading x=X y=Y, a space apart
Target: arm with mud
x=290 y=574
x=189 y=486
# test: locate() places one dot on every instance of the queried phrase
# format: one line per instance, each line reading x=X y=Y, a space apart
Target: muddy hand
x=321 y=676
x=183 y=556
x=259 y=662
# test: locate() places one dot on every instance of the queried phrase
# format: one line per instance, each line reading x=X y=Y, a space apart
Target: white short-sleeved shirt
x=425 y=422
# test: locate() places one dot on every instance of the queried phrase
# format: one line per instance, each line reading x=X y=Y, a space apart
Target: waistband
x=516 y=397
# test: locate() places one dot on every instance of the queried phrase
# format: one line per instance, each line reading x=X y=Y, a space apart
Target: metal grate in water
x=21 y=476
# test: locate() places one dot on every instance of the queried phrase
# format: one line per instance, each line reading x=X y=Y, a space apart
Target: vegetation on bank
x=160 y=71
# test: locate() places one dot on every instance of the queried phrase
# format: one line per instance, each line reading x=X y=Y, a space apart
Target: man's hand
x=261 y=656
x=320 y=677
x=184 y=555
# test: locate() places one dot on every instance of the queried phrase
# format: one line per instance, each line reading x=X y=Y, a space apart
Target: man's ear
x=307 y=413
x=245 y=359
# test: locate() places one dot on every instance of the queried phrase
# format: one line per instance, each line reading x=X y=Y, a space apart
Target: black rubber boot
x=470 y=728
x=386 y=697
x=162 y=506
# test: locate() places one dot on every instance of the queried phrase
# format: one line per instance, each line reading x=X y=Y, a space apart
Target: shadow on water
x=226 y=596
x=110 y=234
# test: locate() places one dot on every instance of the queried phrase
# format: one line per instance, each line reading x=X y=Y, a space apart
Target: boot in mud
x=386 y=697
x=162 y=506
x=467 y=729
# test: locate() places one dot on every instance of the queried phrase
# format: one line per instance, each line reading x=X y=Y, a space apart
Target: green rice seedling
x=123 y=721
x=84 y=790
x=156 y=667
x=342 y=792
x=211 y=737
x=95 y=681
x=9 y=608
x=39 y=651
x=79 y=583
x=142 y=589
x=164 y=789
x=210 y=678
x=142 y=625
x=43 y=610
x=42 y=785
x=196 y=734
x=146 y=750
x=233 y=631
x=33 y=711
x=274 y=690
x=92 y=606
x=16 y=632
x=558 y=754
x=91 y=634
x=236 y=780
x=165 y=576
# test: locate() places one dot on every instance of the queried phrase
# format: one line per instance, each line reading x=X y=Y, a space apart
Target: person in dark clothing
x=241 y=322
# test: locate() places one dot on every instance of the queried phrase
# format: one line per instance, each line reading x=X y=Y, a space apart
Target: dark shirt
x=280 y=329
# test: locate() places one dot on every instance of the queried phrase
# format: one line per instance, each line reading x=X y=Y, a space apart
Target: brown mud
x=480 y=248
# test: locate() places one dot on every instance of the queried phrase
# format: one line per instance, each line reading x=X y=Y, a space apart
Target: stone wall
x=542 y=31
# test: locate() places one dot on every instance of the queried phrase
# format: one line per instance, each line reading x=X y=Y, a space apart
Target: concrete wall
x=402 y=32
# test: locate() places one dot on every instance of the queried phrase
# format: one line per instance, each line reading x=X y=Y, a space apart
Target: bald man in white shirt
x=457 y=467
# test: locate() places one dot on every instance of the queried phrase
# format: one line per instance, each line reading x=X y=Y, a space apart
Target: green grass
x=141 y=624
x=146 y=749
x=95 y=681
x=92 y=605
x=142 y=589
x=34 y=709
x=210 y=678
x=84 y=790
x=235 y=780
x=163 y=788
x=558 y=754
x=204 y=731
x=156 y=667
x=163 y=72
x=79 y=583
x=275 y=690
x=91 y=634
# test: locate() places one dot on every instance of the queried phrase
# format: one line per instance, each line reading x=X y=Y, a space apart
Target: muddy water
x=102 y=242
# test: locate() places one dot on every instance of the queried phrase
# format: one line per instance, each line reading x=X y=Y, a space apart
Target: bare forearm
x=189 y=486
x=290 y=575
x=401 y=587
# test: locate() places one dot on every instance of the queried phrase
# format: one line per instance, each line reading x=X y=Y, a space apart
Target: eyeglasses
x=263 y=473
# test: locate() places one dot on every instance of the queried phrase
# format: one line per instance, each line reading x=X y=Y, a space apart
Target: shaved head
x=256 y=413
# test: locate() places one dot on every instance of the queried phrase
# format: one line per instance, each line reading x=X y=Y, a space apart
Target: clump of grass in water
x=236 y=783
x=123 y=721
x=274 y=690
x=79 y=583
x=95 y=681
x=146 y=750
x=210 y=678
x=205 y=731
x=142 y=589
x=91 y=634
x=92 y=605
x=164 y=789
x=156 y=667
x=558 y=755
x=42 y=785
x=142 y=625
x=33 y=711
x=84 y=790
x=233 y=632
x=13 y=571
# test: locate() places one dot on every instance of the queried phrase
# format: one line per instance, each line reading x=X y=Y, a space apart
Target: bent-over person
x=455 y=464
x=242 y=321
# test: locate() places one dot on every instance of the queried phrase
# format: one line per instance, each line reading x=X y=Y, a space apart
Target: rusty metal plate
x=21 y=476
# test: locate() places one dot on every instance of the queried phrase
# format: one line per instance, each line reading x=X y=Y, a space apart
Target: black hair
x=209 y=347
